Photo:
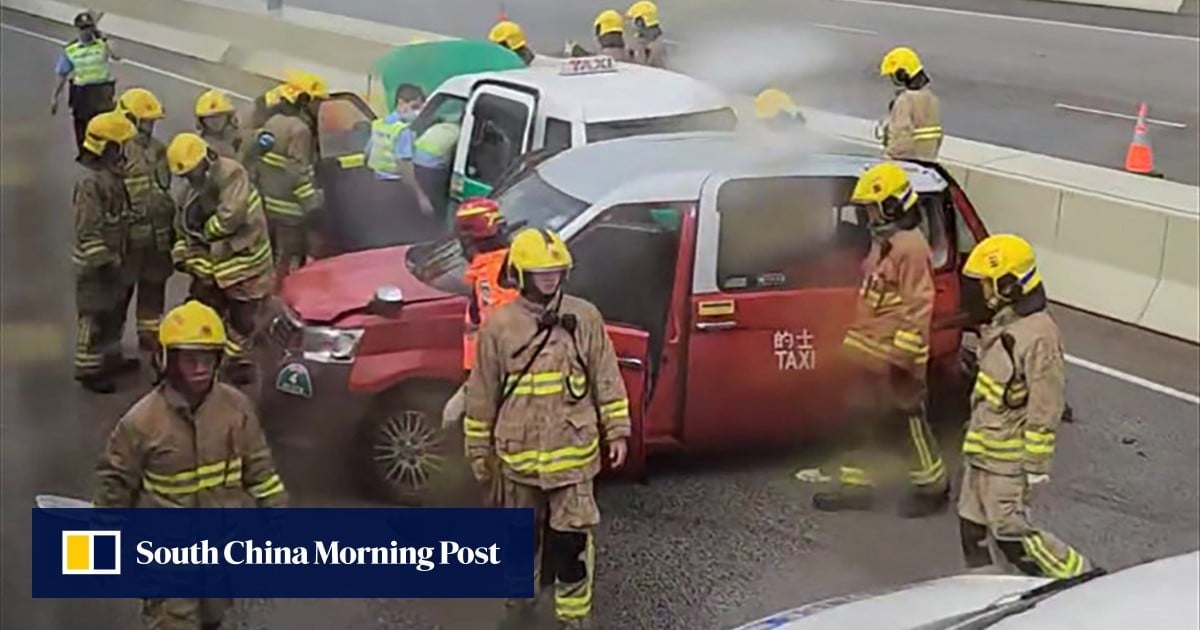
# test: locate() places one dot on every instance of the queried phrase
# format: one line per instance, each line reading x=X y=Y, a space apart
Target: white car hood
x=905 y=607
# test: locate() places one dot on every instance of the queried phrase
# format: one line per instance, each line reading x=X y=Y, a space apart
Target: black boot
x=974 y=544
x=919 y=505
x=118 y=365
x=98 y=384
x=847 y=498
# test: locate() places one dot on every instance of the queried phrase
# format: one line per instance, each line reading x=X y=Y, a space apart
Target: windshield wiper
x=1010 y=605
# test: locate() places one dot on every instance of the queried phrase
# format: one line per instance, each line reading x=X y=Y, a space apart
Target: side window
x=633 y=287
x=558 y=135
x=496 y=137
x=442 y=108
x=343 y=125
x=853 y=232
x=788 y=232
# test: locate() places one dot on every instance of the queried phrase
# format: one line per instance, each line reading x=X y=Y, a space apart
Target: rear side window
x=558 y=135
x=716 y=120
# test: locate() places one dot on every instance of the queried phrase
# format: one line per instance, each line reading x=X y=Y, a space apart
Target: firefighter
x=1016 y=407
x=216 y=120
x=609 y=29
x=649 y=47
x=101 y=208
x=914 y=126
x=482 y=232
x=223 y=210
x=545 y=394
x=190 y=442
x=85 y=62
x=777 y=110
x=511 y=36
x=265 y=106
x=152 y=213
x=887 y=346
x=284 y=159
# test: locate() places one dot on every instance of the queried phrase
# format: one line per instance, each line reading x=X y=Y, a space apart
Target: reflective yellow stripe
x=351 y=161
x=1007 y=450
x=616 y=410
x=247 y=262
x=554 y=461
x=214 y=228
x=282 y=206
x=271 y=486
x=573 y=607
x=147 y=324
x=932 y=132
x=1070 y=567
x=911 y=342
x=274 y=159
x=304 y=191
x=473 y=428
x=200 y=471
x=227 y=473
x=851 y=476
x=536 y=384
x=877 y=299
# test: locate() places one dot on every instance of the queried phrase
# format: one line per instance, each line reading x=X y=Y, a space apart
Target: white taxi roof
x=675 y=166
x=632 y=92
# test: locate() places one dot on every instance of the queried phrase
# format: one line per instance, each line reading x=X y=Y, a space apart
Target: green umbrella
x=429 y=64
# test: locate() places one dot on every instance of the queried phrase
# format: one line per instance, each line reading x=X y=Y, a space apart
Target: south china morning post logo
x=91 y=552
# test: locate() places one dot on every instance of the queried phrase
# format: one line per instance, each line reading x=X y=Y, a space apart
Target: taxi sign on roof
x=587 y=65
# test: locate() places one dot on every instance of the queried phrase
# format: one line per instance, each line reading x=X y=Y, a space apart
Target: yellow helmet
x=272 y=96
x=1007 y=263
x=141 y=104
x=185 y=153
x=107 y=127
x=900 y=59
x=213 y=102
x=772 y=102
x=192 y=326
x=885 y=185
x=645 y=11
x=608 y=21
x=301 y=83
x=508 y=34
x=537 y=249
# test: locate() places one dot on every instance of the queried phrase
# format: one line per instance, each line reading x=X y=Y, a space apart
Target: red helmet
x=478 y=218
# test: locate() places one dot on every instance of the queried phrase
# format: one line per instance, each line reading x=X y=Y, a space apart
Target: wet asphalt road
x=703 y=545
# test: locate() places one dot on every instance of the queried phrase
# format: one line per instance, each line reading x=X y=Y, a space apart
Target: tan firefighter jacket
x=235 y=230
x=148 y=182
x=548 y=433
x=285 y=172
x=1019 y=395
x=164 y=454
x=649 y=53
x=102 y=215
x=226 y=143
x=914 y=126
x=895 y=305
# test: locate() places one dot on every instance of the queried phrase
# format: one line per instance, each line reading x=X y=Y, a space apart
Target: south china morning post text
x=283 y=552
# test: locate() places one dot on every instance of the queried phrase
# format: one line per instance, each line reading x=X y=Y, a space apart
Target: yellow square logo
x=91 y=553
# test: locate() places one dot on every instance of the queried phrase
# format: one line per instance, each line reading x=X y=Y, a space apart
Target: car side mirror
x=387 y=301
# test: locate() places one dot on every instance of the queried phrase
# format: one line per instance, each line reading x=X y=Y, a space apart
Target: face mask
x=87 y=35
x=408 y=116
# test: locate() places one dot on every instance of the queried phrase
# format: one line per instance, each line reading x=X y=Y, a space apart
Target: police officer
x=222 y=209
x=1016 y=406
x=482 y=232
x=216 y=120
x=389 y=150
x=511 y=36
x=649 y=48
x=102 y=214
x=192 y=443
x=545 y=395
x=887 y=347
x=914 y=125
x=609 y=29
x=283 y=165
x=84 y=61
x=152 y=212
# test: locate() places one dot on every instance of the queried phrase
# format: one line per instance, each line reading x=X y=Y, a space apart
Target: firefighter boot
x=920 y=505
x=846 y=498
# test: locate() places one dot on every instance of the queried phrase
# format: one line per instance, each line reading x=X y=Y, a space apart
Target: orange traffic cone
x=1140 y=156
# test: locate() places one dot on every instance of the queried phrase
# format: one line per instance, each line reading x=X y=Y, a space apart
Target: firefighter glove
x=479 y=470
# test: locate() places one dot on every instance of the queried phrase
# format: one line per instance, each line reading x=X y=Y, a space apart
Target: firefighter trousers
x=887 y=425
x=564 y=521
x=240 y=305
x=289 y=242
x=101 y=296
x=183 y=614
x=148 y=270
x=995 y=505
x=85 y=102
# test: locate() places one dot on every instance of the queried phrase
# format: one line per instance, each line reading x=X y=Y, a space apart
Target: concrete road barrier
x=1110 y=242
x=1157 y=6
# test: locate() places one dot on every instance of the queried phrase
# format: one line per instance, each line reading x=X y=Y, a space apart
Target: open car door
x=497 y=131
x=343 y=128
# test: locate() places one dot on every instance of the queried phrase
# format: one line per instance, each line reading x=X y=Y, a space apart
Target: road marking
x=1028 y=20
x=1134 y=380
x=136 y=64
x=842 y=29
x=1101 y=112
x=1083 y=363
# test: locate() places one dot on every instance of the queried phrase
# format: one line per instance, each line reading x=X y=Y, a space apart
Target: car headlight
x=324 y=344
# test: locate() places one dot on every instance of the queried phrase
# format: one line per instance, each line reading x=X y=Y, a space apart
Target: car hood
x=331 y=288
x=904 y=607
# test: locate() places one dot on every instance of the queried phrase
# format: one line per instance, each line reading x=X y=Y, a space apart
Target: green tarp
x=429 y=64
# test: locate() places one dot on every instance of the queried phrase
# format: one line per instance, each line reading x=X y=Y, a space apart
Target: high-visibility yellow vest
x=384 y=135
x=89 y=62
x=436 y=145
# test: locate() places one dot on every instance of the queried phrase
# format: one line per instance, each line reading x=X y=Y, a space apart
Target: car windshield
x=528 y=201
x=716 y=120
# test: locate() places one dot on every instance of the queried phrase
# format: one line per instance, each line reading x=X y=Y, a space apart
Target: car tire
x=404 y=455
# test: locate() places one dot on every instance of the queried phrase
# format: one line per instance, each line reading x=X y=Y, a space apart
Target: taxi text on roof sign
x=587 y=65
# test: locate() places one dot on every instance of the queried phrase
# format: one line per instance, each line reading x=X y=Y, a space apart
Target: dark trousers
x=86 y=101
x=100 y=298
